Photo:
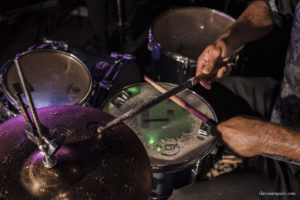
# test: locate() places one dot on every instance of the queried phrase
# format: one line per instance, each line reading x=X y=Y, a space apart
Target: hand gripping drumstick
x=182 y=103
x=140 y=108
x=189 y=83
x=208 y=121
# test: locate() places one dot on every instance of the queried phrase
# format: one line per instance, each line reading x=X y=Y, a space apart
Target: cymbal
x=116 y=166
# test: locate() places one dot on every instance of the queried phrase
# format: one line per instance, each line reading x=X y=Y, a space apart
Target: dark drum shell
x=179 y=36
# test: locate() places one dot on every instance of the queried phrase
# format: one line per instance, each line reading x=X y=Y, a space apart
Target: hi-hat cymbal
x=113 y=167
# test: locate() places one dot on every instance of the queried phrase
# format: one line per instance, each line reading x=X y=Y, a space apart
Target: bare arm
x=251 y=137
x=254 y=23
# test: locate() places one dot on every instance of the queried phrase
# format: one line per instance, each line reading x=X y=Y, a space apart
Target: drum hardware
x=140 y=108
x=52 y=44
x=185 y=66
x=122 y=56
x=196 y=169
x=7 y=112
x=56 y=44
x=107 y=82
x=120 y=24
x=34 y=131
x=156 y=48
x=178 y=36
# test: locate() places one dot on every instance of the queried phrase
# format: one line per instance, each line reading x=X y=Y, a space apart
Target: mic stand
x=34 y=131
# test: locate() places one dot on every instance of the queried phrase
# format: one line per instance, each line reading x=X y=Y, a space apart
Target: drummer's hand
x=214 y=56
x=242 y=135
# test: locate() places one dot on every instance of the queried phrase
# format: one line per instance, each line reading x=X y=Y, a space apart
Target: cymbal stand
x=120 y=24
x=34 y=131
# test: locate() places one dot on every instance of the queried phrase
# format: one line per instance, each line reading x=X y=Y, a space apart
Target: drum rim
x=185 y=163
x=8 y=64
x=178 y=57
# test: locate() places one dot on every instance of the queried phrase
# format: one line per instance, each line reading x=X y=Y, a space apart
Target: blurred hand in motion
x=214 y=59
x=242 y=135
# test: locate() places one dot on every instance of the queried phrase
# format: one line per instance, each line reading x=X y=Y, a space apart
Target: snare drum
x=175 y=140
x=54 y=77
x=178 y=37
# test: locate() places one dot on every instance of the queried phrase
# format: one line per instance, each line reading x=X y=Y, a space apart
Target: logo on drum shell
x=169 y=148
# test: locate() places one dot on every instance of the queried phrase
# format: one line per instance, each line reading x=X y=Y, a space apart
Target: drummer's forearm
x=254 y=23
x=281 y=141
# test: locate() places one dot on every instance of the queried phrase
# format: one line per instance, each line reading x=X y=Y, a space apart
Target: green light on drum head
x=134 y=90
x=151 y=140
x=159 y=149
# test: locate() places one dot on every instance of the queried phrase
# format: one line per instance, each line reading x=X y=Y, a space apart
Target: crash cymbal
x=115 y=166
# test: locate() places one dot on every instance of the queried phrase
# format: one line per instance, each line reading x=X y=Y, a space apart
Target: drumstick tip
x=100 y=131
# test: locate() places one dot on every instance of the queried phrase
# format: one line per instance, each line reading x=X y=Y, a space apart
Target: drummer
x=275 y=128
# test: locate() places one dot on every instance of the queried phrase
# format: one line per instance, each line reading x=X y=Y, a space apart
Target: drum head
x=173 y=137
x=54 y=78
x=187 y=31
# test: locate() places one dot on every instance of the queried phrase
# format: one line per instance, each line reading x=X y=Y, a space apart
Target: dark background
x=24 y=23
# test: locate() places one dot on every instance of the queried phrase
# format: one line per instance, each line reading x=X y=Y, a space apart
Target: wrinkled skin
x=242 y=135
x=214 y=59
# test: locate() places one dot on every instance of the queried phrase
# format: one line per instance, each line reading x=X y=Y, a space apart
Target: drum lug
x=185 y=66
x=150 y=41
x=196 y=169
x=56 y=44
x=105 y=84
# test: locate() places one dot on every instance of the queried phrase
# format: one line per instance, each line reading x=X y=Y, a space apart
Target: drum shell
x=166 y=175
x=99 y=65
x=116 y=101
x=180 y=35
x=168 y=69
x=41 y=81
x=163 y=183
x=123 y=73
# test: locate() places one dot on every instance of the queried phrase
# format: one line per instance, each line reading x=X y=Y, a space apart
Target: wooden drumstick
x=182 y=103
x=140 y=108
x=209 y=122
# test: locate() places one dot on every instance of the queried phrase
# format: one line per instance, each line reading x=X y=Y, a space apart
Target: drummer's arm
x=251 y=137
x=282 y=141
x=254 y=23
